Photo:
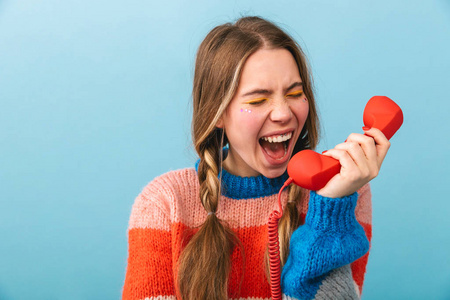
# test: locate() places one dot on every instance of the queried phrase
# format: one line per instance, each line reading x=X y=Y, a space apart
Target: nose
x=281 y=111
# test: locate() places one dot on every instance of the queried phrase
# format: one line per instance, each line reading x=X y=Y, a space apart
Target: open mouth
x=276 y=146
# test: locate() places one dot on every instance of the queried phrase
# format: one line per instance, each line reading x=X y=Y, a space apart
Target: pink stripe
x=148 y=214
x=363 y=209
x=155 y=207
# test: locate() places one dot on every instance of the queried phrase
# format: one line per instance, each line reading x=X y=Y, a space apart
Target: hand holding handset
x=312 y=171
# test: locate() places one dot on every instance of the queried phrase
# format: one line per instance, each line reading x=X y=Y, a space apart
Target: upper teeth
x=278 y=138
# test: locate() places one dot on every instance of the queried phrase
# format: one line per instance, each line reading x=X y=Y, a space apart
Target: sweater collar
x=237 y=187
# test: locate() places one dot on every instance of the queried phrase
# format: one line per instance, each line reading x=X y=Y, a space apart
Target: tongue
x=274 y=150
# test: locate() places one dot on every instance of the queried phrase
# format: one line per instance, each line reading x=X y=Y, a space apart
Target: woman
x=202 y=233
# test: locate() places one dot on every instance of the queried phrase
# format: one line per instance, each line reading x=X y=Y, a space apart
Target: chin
x=274 y=173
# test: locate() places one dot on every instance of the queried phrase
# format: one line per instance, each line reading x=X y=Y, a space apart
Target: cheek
x=301 y=111
x=244 y=127
x=248 y=119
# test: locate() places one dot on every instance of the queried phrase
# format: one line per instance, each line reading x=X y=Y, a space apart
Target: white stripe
x=357 y=289
x=161 y=298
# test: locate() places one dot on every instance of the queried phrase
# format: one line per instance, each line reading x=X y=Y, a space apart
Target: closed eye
x=295 y=94
x=257 y=101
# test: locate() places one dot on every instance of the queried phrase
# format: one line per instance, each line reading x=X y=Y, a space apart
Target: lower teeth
x=285 y=151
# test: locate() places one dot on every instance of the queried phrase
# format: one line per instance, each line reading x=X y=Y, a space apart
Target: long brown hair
x=204 y=264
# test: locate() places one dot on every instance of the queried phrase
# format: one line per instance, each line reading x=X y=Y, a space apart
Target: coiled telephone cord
x=274 y=247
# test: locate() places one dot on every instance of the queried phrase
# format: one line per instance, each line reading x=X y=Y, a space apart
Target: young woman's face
x=264 y=119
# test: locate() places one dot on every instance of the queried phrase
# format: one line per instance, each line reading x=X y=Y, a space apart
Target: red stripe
x=250 y=270
x=155 y=253
x=149 y=272
x=359 y=266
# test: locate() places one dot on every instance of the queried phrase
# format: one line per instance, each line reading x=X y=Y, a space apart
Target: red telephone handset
x=312 y=171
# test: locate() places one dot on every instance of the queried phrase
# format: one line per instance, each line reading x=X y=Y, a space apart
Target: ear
x=219 y=123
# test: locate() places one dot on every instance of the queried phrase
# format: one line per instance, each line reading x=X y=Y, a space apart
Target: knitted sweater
x=327 y=255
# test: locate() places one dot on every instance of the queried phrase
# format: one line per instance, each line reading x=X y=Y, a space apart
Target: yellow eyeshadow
x=256 y=100
x=295 y=94
x=260 y=100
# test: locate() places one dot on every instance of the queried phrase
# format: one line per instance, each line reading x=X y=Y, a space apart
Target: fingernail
x=365 y=128
x=324 y=151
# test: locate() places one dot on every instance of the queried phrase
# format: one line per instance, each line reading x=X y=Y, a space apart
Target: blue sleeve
x=331 y=238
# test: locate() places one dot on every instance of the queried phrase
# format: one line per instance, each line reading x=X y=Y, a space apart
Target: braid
x=290 y=220
x=208 y=172
x=205 y=263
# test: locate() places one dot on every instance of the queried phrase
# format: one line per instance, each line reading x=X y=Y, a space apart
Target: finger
x=356 y=152
x=368 y=146
x=376 y=134
x=382 y=144
x=346 y=161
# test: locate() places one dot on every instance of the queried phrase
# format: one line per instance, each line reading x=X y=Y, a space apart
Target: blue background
x=95 y=102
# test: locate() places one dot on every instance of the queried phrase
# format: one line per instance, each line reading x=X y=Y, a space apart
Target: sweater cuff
x=332 y=214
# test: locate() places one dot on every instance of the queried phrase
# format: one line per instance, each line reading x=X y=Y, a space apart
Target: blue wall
x=94 y=103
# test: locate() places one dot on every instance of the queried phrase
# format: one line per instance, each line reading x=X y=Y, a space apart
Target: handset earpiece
x=312 y=170
x=384 y=114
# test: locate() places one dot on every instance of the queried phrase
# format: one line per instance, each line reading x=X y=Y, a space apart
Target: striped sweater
x=327 y=256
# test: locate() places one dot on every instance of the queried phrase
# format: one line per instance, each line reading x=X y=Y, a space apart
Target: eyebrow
x=295 y=84
x=267 y=92
x=257 y=92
